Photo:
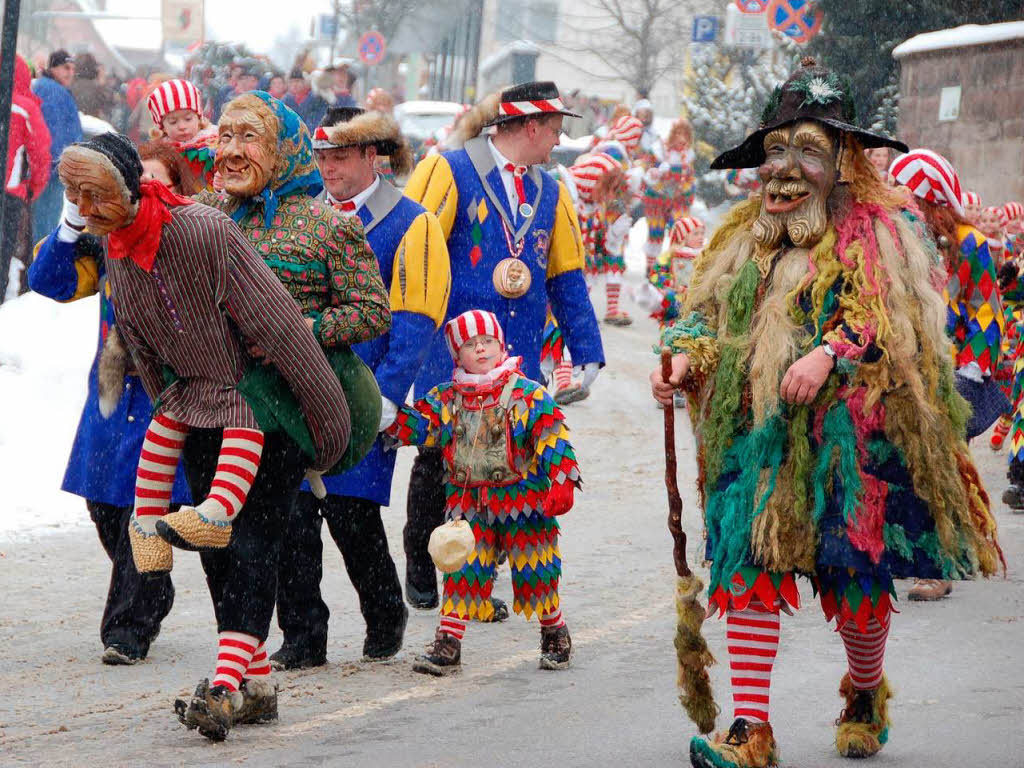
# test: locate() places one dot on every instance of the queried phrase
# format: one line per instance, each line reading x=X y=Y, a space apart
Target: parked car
x=419 y=120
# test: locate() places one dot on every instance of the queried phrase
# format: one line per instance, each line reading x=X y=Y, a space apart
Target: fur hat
x=469 y=324
x=355 y=127
x=534 y=99
x=812 y=92
x=471 y=122
x=929 y=176
x=119 y=156
x=171 y=96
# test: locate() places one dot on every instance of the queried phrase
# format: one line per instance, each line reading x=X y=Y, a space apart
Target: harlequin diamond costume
x=669 y=187
x=508 y=257
x=673 y=269
x=830 y=434
x=413 y=259
x=509 y=472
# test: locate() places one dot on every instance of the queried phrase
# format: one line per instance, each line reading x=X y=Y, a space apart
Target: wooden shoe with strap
x=744 y=745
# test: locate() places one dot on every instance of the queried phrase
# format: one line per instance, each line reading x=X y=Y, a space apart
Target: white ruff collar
x=485 y=380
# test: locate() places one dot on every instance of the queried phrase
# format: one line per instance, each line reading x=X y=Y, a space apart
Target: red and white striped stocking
x=753 y=640
x=552 y=620
x=865 y=652
x=235 y=652
x=237 y=465
x=259 y=667
x=563 y=375
x=612 y=291
x=453 y=625
x=154 y=478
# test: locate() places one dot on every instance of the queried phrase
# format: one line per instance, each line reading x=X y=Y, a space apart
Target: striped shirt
x=208 y=299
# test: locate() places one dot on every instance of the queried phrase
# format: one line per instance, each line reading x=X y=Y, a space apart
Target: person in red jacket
x=28 y=170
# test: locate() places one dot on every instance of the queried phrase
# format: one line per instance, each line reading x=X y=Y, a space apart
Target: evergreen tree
x=857 y=39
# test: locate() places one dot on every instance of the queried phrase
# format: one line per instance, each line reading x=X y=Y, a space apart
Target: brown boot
x=745 y=745
x=863 y=725
x=211 y=710
x=930 y=589
x=259 y=702
x=555 y=648
x=443 y=656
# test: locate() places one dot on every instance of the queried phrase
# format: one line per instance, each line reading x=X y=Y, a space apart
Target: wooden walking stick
x=692 y=652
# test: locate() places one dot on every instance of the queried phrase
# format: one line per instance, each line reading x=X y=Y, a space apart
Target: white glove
x=71 y=223
x=388 y=414
x=972 y=372
x=617 y=232
x=588 y=371
x=547 y=368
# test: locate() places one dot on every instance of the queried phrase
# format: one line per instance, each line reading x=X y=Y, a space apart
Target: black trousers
x=356 y=527
x=424 y=512
x=135 y=604
x=242 y=577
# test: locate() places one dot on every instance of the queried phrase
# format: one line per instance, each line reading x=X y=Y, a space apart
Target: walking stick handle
x=675 y=501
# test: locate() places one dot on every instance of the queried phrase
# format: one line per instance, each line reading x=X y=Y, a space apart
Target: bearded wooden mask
x=247 y=148
x=798 y=174
x=93 y=184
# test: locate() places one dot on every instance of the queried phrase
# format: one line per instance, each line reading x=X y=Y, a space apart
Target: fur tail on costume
x=111 y=371
x=473 y=122
x=693 y=656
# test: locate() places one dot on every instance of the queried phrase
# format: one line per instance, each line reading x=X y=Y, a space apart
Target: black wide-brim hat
x=534 y=99
x=810 y=93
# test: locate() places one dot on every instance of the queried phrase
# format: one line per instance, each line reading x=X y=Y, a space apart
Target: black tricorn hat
x=811 y=93
x=534 y=99
x=357 y=127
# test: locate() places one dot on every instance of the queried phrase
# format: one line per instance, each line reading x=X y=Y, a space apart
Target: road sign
x=326 y=26
x=746 y=30
x=372 y=48
x=705 y=29
x=799 y=20
x=752 y=6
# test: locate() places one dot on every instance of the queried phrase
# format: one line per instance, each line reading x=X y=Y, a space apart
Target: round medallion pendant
x=512 y=278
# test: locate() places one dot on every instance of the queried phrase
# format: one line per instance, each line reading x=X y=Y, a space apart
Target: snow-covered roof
x=958 y=37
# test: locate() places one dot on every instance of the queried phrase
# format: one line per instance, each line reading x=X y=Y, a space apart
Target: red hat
x=469 y=324
x=998 y=211
x=682 y=228
x=971 y=198
x=930 y=176
x=171 y=96
x=588 y=170
x=1013 y=210
x=628 y=130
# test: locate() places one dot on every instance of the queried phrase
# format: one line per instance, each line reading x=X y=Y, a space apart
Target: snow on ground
x=46 y=349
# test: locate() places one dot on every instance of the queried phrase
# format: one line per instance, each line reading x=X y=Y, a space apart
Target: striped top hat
x=628 y=130
x=171 y=96
x=588 y=171
x=971 y=198
x=534 y=99
x=469 y=324
x=930 y=176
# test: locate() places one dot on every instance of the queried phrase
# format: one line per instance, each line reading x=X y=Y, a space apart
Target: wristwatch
x=830 y=352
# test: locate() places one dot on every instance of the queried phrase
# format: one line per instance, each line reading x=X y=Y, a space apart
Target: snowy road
x=956 y=665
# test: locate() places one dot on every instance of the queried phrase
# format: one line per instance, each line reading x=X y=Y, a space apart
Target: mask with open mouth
x=798 y=173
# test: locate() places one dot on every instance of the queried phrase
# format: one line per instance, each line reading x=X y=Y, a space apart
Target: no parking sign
x=799 y=20
x=372 y=47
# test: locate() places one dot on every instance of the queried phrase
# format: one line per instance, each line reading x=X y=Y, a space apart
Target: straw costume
x=830 y=434
x=509 y=471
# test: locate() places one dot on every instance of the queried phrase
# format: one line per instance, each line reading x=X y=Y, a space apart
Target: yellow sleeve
x=432 y=185
x=421 y=276
x=566 y=253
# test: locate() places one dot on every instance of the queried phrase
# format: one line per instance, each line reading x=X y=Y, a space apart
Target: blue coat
x=105 y=454
x=397 y=229
x=61 y=115
x=311 y=110
x=464 y=189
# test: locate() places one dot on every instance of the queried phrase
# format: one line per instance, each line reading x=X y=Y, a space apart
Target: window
x=535 y=20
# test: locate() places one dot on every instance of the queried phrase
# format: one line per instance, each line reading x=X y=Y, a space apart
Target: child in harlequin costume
x=1013 y=214
x=972 y=207
x=673 y=269
x=177 y=111
x=991 y=222
x=741 y=182
x=510 y=471
x=604 y=223
x=813 y=338
x=975 y=317
x=668 y=187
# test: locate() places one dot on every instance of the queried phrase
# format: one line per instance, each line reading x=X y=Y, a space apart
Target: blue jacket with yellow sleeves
x=413 y=259
x=105 y=454
x=464 y=189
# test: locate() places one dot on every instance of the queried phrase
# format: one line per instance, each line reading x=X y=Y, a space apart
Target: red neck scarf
x=141 y=239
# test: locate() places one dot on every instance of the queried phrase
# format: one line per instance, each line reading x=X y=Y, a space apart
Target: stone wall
x=986 y=141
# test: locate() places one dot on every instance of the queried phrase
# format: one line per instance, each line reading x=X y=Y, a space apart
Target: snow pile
x=46 y=349
x=957 y=37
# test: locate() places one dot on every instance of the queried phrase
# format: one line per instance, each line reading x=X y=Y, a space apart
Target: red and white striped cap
x=553 y=106
x=999 y=212
x=1012 y=211
x=683 y=227
x=930 y=176
x=628 y=130
x=469 y=324
x=171 y=96
x=971 y=198
x=588 y=170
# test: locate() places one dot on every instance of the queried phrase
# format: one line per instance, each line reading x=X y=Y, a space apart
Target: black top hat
x=535 y=99
x=811 y=93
